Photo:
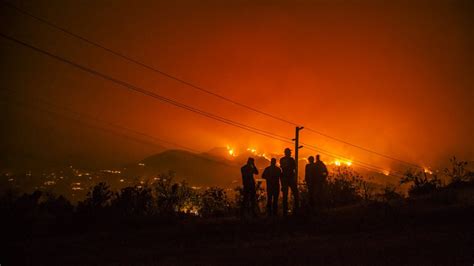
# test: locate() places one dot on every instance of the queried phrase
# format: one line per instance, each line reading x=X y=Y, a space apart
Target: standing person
x=310 y=178
x=249 y=201
x=320 y=182
x=288 y=180
x=272 y=175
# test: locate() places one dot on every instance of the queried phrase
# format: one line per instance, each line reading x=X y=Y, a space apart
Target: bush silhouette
x=97 y=199
x=458 y=174
x=172 y=198
x=343 y=187
x=57 y=206
x=187 y=199
x=135 y=200
x=389 y=193
x=214 y=203
x=421 y=182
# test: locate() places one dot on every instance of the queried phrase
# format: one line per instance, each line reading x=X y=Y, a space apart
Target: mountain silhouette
x=222 y=153
x=213 y=168
x=195 y=169
x=219 y=153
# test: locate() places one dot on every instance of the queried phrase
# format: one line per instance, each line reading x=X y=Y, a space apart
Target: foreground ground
x=374 y=235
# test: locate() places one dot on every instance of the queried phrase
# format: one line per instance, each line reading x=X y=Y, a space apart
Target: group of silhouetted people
x=284 y=177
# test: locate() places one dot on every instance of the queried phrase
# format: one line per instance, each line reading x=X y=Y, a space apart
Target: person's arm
x=294 y=165
x=265 y=174
x=306 y=174
x=255 y=170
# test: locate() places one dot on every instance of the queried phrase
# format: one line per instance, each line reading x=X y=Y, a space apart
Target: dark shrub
x=172 y=197
x=458 y=175
x=214 y=203
x=422 y=183
x=137 y=200
x=343 y=187
x=97 y=199
x=57 y=206
x=390 y=193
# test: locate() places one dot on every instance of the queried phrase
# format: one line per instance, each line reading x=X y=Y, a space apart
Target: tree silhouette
x=343 y=187
x=97 y=199
x=214 y=202
x=457 y=173
x=135 y=200
x=421 y=182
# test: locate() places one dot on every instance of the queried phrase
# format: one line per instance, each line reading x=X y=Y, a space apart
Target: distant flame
x=341 y=162
x=231 y=151
x=252 y=150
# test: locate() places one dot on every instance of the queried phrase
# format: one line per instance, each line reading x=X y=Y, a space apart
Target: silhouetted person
x=288 y=180
x=248 y=182
x=316 y=174
x=310 y=178
x=272 y=174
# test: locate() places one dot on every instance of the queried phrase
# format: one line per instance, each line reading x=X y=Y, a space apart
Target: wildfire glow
x=231 y=151
x=252 y=150
x=341 y=162
x=266 y=156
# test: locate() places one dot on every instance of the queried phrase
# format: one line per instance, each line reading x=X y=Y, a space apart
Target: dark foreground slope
x=359 y=235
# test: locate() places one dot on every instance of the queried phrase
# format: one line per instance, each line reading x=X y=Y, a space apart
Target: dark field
x=376 y=234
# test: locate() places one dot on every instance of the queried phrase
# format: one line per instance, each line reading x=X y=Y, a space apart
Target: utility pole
x=297 y=147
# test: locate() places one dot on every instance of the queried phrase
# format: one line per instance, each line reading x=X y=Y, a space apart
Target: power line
x=170 y=101
x=80 y=119
x=149 y=93
x=152 y=94
x=334 y=155
x=120 y=134
x=200 y=88
x=362 y=148
x=98 y=120
x=80 y=115
x=121 y=55
x=356 y=162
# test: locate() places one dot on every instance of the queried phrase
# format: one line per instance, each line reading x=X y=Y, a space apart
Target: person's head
x=311 y=159
x=250 y=161
x=273 y=162
x=287 y=152
x=317 y=158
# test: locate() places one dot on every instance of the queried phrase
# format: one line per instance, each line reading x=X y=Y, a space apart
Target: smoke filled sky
x=393 y=77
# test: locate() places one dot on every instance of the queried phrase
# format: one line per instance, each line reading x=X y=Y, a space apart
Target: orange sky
x=395 y=78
